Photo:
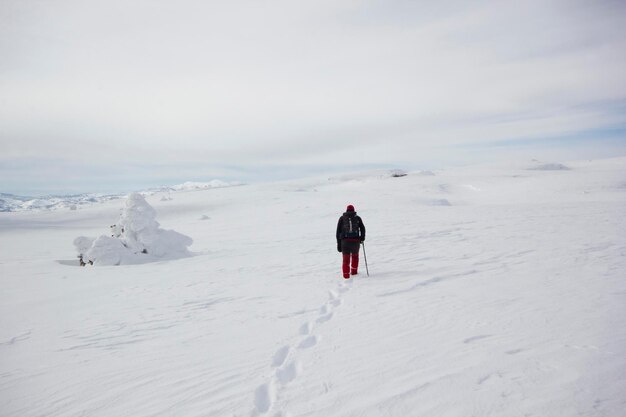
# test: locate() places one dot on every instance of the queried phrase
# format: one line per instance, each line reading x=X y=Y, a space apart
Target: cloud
x=282 y=82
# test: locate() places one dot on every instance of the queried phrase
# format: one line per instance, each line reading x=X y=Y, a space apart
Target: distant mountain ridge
x=12 y=202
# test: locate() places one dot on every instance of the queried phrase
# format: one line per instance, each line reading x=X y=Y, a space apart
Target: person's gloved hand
x=338 y=246
x=362 y=239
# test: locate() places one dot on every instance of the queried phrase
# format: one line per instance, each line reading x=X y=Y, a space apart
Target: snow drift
x=547 y=166
x=193 y=185
x=136 y=238
x=369 y=175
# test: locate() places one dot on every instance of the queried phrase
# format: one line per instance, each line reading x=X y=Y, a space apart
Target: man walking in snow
x=350 y=234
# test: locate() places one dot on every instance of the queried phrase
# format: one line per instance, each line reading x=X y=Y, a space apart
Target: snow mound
x=397 y=173
x=424 y=173
x=37 y=203
x=552 y=166
x=136 y=238
x=83 y=244
x=190 y=185
x=375 y=174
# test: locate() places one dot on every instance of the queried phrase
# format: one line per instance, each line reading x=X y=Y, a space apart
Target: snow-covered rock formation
x=136 y=238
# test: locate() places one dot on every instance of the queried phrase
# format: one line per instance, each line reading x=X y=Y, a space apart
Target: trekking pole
x=365 y=258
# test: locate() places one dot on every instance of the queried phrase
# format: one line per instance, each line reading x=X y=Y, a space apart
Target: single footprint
x=306 y=328
x=264 y=397
x=344 y=287
x=325 y=309
x=326 y=312
x=336 y=302
x=334 y=298
x=280 y=356
x=325 y=318
x=289 y=372
x=309 y=342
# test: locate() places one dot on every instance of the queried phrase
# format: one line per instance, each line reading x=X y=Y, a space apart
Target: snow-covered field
x=493 y=291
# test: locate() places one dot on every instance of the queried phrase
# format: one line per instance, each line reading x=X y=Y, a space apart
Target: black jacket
x=345 y=217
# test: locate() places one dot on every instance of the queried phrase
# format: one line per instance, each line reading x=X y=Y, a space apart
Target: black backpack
x=350 y=227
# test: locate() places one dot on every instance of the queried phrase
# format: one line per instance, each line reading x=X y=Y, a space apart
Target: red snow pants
x=350 y=264
x=350 y=252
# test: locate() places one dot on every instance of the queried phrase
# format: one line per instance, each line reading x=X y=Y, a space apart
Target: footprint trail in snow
x=286 y=359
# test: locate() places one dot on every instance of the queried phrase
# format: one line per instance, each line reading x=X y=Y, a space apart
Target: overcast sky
x=117 y=95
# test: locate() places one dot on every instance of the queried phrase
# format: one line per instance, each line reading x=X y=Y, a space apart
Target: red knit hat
x=350 y=208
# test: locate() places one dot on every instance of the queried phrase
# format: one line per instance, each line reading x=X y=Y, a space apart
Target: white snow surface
x=510 y=300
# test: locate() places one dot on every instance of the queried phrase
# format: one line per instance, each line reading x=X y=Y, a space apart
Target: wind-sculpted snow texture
x=509 y=300
x=137 y=238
